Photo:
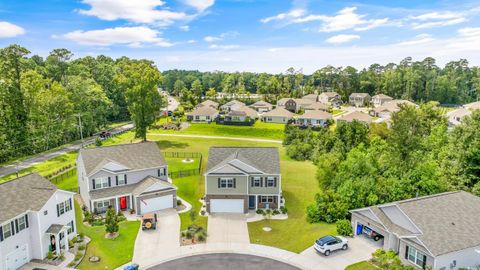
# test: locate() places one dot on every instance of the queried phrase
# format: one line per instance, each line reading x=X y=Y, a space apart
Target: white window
x=101 y=182
x=61 y=208
x=197 y=117
x=70 y=228
x=7 y=231
x=266 y=199
x=121 y=179
x=22 y=224
x=103 y=204
x=208 y=117
x=226 y=182
x=257 y=181
x=416 y=256
x=67 y=206
x=270 y=181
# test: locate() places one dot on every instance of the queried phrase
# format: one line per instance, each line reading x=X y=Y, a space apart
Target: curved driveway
x=223 y=261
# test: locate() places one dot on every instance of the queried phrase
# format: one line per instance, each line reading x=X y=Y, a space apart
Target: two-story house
x=330 y=98
x=241 y=178
x=35 y=218
x=128 y=176
x=359 y=99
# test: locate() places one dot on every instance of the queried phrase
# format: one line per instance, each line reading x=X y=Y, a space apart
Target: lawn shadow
x=165 y=144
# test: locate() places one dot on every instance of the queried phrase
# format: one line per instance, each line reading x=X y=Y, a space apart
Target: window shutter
x=406 y=252
x=252 y=181
x=58 y=210
x=125 y=179
x=116 y=180
x=275 y=182
x=93 y=183
x=234 y=183
x=158 y=172
x=73 y=226
x=70 y=203
x=261 y=181
x=164 y=171
x=12 y=228
x=109 y=182
x=424 y=264
x=16 y=225
x=26 y=221
x=218 y=182
x=1 y=233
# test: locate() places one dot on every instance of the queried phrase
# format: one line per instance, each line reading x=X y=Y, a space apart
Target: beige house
x=317 y=106
x=313 y=118
x=209 y=103
x=330 y=98
x=380 y=99
x=455 y=117
x=436 y=232
x=355 y=116
x=232 y=105
x=359 y=99
x=203 y=114
x=312 y=97
x=241 y=114
x=277 y=115
x=287 y=103
x=239 y=179
x=390 y=107
x=261 y=106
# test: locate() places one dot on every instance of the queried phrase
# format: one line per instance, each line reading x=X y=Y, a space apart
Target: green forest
x=361 y=165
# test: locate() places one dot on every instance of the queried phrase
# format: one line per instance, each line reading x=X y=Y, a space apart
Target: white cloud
x=200 y=5
x=437 y=19
x=191 y=41
x=185 y=28
x=212 y=39
x=220 y=37
x=292 y=14
x=419 y=39
x=8 y=30
x=342 y=39
x=435 y=15
x=131 y=36
x=138 y=11
x=223 y=47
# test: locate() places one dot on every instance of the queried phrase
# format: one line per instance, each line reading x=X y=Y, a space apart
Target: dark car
x=105 y=134
x=372 y=234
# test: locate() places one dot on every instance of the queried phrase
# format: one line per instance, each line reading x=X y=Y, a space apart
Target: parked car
x=149 y=221
x=105 y=134
x=371 y=233
x=327 y=244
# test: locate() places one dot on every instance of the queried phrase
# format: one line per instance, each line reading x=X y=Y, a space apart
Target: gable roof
x=144 y=186
x=318 y=106
x=244 y=159
x=203 y=111
x=393 y=105
x=382 y=97
x=360 y=95
x=233 y=103
x=135 y=156
x=208 y=102
x=261 y=103
x=330 y=94
x=282 y=101
x=243 y=111
x=279 y=112
x=313 y=97
x=356 y=115
x=450 y=217
x=310 y=114
x=29 y=192
x=473 y=105
x=304 y=101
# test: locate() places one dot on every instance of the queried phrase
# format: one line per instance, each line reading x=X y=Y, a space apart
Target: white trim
x=111 y=197
x=212 y=171
x=124 y=172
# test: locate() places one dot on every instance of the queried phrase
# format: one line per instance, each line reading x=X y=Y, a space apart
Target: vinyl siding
x=264 y=190
x=211 y=185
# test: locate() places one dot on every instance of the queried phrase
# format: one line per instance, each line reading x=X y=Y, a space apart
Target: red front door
x=123 y=203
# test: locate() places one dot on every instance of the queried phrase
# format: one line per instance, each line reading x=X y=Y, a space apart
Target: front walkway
x=227 y=228
x=162 y=242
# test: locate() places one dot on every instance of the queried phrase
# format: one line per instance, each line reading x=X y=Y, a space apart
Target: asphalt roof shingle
x=265 y=159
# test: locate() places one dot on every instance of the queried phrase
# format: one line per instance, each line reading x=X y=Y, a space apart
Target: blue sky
x=248 y=35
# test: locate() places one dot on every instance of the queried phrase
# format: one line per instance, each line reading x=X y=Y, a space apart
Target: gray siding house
x=129 y=176
x=241 y=178
x=35 y=217
x=439 y=231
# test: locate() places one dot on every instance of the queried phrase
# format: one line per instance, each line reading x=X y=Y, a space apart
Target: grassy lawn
x=294 y=234
x=336 y=112
x=259 y=130
x=364 y=265
x=69 y=182
x=113 y=253
x=191 y=189
x=46 y=167
x=177 y=164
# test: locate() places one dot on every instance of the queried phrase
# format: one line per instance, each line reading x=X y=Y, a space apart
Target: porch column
x=257 y=201
x=116 y=205
x=278 y=202
x=132 y=206
x=57 y=244
x=65 y=233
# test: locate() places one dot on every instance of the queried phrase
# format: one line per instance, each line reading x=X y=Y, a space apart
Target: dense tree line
x=419 y=81
x=44 y=102
x=360 y=165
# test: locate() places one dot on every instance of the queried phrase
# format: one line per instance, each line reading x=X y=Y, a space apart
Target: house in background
x=455 y=117
x=203 y=114
x=277 y=115
x=440 y=231
x=261 y=106
x=330 y=98
x=355 y=116
x=35 y=217
x=241 y=115
x=232 y=105
x=317 y=106
x=312 y=97
x=313 y=119
x=241 y=178
x=390 y=107
x=359 y=99
x=128 y=176
x=288 y=103
x=208 y=103
x=302 y=103
x=380 y=99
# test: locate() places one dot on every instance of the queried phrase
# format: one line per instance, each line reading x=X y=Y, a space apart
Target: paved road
x=215 y=137
x=9 y=169
x=223 y=261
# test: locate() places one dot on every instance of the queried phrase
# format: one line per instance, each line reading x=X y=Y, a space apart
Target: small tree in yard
x=193 y=216
x=111 y=221
x=344 y=227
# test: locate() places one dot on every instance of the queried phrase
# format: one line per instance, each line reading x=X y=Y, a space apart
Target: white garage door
x=18 y=258
x=155 y=204
x=226 y=206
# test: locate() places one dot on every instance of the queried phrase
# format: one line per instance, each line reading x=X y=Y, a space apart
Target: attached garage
x=226 y=205
x=17 y=258
x=156 y=204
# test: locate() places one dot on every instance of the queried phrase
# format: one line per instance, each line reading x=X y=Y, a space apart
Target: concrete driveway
x=162 y=242
x=227 y=228
x=359 y=249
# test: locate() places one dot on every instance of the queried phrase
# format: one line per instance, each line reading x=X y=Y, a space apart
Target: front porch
x=58 y=239
x=256 y=202
x=119 y=203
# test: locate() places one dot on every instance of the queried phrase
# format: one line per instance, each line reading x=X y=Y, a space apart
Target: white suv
x=329 y=243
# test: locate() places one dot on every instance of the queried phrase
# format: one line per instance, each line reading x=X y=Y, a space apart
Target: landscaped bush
x=202 y=212
x=121 y=218
x=344 y=227
x=284 y=210
x=179 y=202
x=78 y=256
x=81 y=247
x=98 y=222
x=388 y=260
x=259 y=211
x=50 y=255
x=81 y=236
x=276 y=212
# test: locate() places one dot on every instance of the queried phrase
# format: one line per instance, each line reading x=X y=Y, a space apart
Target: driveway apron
x=227 y=228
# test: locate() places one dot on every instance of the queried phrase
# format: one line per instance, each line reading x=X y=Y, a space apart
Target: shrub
x=189 y=234
x=284 y=210
x=121 y=218
x=98 y=222
x=111 y=221
x=259 y=211
x=71 y=264
x=179 y=202
x=183 y=234
x=81 y=235
x=78 y=256
x=81 y=247
x=62 y=256
x=50 y=255
x=74 y=239
x=203 y=212
x=201 y=236
x=132 y=211
x=276 y=212
x=344 y=227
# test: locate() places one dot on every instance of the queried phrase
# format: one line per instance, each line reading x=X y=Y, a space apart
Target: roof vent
x=453 y=223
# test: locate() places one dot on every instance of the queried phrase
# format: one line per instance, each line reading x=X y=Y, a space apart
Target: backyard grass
x=260 y=129
x=336 y=112
x=68 y=182
x=177 y=164
x=191 y=189
x=363 y=265
x=112 y=252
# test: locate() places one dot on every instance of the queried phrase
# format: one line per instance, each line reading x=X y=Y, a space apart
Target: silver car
x=327 y=244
